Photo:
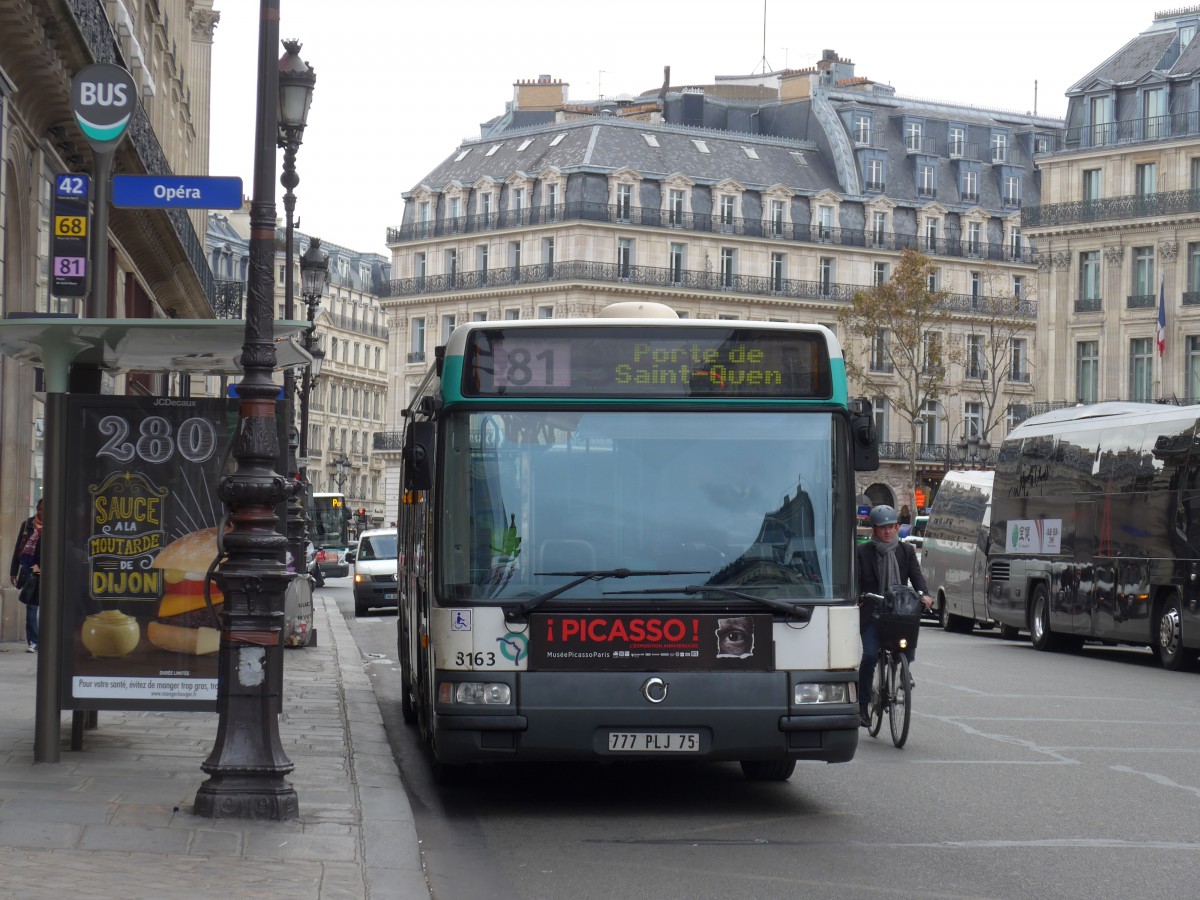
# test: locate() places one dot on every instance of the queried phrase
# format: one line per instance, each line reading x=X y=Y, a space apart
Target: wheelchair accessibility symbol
x=460 y=620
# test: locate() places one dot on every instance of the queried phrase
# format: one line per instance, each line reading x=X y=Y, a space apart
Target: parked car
x=375 y=576
x=351 y=550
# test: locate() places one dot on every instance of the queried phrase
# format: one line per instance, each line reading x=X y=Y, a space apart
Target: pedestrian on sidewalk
x=26 y=567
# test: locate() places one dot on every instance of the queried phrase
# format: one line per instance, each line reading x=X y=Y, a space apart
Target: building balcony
x=228 y=298
x=356 y=325
x=1089 y=304
x=1141 y=301
x=702 y=223
x=1109 y=209
x=671 y=278
x=387 y=441
x=1125 y=132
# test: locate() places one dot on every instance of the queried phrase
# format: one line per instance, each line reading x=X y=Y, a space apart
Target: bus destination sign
x=641 y=362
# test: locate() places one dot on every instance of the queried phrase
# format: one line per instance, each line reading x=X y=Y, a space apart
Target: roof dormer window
x=492 y=149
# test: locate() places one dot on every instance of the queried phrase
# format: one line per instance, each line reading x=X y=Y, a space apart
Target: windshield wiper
x=800 y=612
x=514 y=611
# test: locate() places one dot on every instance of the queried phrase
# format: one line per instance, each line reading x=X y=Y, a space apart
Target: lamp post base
x=249 y=796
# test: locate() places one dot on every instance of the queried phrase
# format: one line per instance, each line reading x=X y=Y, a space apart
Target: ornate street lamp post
x=341 y=469
x=296 y=82
x=314 y=276
x=247 y=766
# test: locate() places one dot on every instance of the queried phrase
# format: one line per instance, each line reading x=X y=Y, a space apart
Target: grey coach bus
x=954 y=558
x=1096 y=529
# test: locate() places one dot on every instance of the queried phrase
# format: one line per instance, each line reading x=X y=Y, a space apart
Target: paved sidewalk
x=115 y=820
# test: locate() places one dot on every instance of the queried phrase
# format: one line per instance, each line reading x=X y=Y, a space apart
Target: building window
x=875 y=175
x=514 y=257
x=1193 y=368
x=548 y=254
x=1143 y=271
x=1089 y=276
x=485 y=208
x=551 y=202
x=878 y=228
x=518 y=202
x=1194 y=181
x=1093 y=184
x=879 y=355
x=624 y=202
x=825 y=223
x=675 y=208
x=419 y=269
x=423 y=219
x=999 y=147
x=1087 y=371
x=826 y=274
x=975 y=238
x=512 y=315
x=879 y=273
x=1015 y=246
x=931 y=353
x=1101 y=118
x=926 y=182
x=777 y=218
x=958 y=141
x=1154 y=113
x=416 y=346
x=880 y=409
x=454 y=211
x=545 y=312
x=677 y=258
x=975 y=358
x=932 y=226
x=479 y=316
x=1193 y=268
x=728 y=266
x=934 y=281
x=624 y=258
x=970 y=186
x=778 y=271
x=481 y=262
x=1186 y=33
x=1012 y=190
x=1141 y=370
x=452 y=267
x=1018 y=287
x=727 y=204
x=973 y=419
x=927 y=423
x=976 y=285
x=1018 y=360
x=1146 y=179
x=912 y=135
x=862 y=129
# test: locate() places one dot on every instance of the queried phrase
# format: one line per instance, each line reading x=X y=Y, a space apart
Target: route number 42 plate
x=653 y=742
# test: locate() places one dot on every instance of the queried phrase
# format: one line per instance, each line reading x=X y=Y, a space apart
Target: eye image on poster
x=140 y=614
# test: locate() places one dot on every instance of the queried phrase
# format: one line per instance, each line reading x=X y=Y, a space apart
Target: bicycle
x=891 y=685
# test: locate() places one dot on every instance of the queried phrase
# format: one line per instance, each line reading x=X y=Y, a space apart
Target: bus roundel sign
x=103 y=98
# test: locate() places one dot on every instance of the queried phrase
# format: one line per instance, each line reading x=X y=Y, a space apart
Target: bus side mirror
x=417 y=456
x=862 y=434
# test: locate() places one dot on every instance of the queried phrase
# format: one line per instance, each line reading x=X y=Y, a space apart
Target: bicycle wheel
x=901 y=693
x=878 y=695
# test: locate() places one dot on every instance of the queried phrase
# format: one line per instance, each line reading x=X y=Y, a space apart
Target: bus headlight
x=475 y=693
x=822 y=692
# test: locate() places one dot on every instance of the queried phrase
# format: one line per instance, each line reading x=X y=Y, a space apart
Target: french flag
x=1162 y=317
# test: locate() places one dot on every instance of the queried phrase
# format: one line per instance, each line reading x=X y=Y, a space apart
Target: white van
x=954 y=561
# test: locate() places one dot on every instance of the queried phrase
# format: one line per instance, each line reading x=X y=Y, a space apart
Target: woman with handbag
x=25 y=572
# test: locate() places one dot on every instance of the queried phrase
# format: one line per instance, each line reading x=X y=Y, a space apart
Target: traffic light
x=361 y=514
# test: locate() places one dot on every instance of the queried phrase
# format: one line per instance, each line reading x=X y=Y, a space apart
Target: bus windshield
x=327 y=520
x=747 y=500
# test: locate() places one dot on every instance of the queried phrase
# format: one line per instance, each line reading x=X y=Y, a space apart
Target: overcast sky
x=400 y=83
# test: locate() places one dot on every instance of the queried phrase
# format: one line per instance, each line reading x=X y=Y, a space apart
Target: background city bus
x=328 y=530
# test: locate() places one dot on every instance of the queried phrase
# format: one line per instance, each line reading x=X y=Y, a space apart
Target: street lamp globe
x=318 y=357
x=296 y=81
x=314 y=270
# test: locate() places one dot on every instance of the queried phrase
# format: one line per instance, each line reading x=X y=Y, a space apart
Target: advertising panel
x=140 y=626
x=659 y=643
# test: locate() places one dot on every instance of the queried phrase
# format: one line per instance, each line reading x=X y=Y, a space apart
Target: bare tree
x=903 y=324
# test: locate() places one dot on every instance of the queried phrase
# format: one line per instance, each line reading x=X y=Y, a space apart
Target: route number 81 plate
x=653 y=742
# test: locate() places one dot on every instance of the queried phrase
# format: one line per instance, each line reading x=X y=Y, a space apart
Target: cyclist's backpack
x=901 y=600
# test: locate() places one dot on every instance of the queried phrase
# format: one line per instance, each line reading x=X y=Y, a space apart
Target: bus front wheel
x=1039 y=621
x=1171 y=652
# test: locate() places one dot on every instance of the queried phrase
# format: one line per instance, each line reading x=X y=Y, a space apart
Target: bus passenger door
x=1079 y=579
x=979 y=566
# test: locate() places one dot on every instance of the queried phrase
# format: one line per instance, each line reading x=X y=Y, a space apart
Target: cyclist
x=883 y=562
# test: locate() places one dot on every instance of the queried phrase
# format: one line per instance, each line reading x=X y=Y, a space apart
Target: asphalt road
x=1026 y=775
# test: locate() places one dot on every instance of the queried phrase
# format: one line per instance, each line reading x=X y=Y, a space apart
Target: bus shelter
x=118 y=346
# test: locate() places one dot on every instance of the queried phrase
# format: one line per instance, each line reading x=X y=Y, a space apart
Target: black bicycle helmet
x=883 y=515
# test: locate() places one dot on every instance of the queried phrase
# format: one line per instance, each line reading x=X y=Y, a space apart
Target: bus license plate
x=389 y=596
x=653 y=742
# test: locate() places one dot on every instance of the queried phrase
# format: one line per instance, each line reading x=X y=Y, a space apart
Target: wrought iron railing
x=683 y=279
x=387 y=440
x=348 y=324
x=227 y=299
x=1140 y=301
x=1127 y=131
x=1127 y=206
x=1089 y=304
x=707 y=223
x=943 y=454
